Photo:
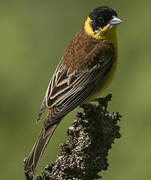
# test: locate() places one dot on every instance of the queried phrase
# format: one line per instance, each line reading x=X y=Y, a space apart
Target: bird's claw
x=103 y=101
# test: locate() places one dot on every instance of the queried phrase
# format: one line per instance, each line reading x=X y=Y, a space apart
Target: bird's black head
x=101 y=17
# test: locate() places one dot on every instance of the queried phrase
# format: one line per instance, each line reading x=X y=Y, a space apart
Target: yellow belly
x=104 y=84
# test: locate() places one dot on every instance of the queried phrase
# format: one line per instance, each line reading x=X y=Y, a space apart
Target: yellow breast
x=104 y=84
x=107 y=35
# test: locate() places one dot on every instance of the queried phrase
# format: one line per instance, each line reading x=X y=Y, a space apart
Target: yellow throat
x=107 y=33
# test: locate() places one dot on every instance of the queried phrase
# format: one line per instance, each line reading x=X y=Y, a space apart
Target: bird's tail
x=32 y=161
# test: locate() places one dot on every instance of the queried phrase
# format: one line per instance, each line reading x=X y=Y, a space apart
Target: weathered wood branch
x=85 y=152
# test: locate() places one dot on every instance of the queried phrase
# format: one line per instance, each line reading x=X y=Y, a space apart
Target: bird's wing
x=69 y=89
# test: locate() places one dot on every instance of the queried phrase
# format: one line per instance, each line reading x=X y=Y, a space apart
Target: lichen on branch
x=85 y=152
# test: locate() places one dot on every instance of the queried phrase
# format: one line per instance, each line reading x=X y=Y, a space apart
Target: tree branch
x=85 y=152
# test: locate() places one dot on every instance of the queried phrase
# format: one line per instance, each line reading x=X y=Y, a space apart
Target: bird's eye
x=101 y=20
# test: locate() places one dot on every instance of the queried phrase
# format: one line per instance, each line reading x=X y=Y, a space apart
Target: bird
x=85 y=70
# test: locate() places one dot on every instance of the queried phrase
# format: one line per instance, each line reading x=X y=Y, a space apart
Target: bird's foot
x=103 y=101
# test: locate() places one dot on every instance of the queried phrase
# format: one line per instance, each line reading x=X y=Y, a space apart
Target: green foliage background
x=33 y=37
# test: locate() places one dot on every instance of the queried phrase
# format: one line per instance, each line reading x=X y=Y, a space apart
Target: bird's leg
x=103 y=101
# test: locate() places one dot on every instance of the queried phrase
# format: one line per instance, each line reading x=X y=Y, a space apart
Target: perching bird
x=86 y=68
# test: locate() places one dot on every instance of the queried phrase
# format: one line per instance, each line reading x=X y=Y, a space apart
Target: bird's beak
x=114 y=21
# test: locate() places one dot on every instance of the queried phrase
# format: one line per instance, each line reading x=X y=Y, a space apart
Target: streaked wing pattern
x=67 y=90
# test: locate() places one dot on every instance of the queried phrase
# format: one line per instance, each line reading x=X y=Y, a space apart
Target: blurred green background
x=33 y=37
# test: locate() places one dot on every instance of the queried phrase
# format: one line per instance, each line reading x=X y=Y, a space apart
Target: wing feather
x=71 y=89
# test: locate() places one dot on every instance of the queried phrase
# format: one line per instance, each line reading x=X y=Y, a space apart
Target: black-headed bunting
x=85 y=70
